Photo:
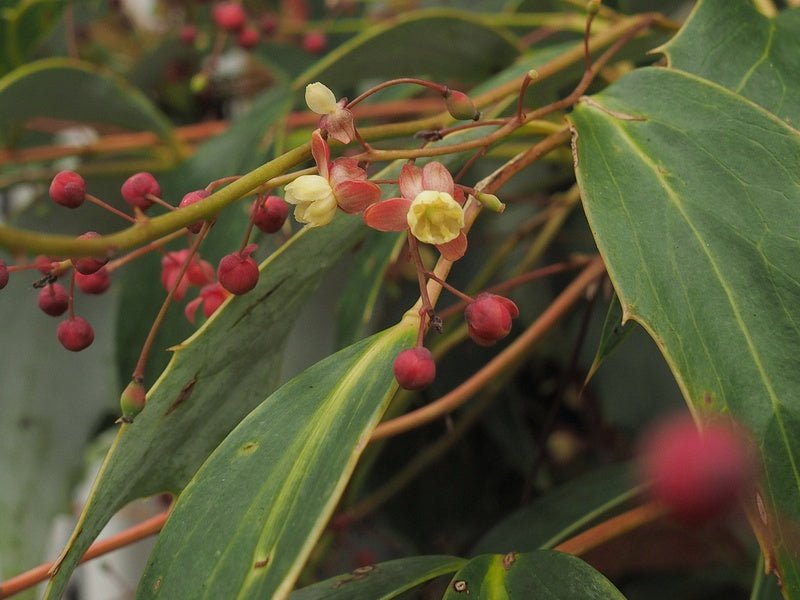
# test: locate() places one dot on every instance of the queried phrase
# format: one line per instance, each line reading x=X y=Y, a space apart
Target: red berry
x=229 y=16
x=270 y=216
x=238 y=272
x=415 y=368
x=200 y=272
x=3 y=274
x=87 y=266
x=68 y=189
x=315 y=42
x=489 y=318
x=53 y=299
x=269 y=24
x=698 y=476
x=75 y=334
x=191 y=198
x=95 y=283
x=247 y=38
x=188 y=34
x=137 y=187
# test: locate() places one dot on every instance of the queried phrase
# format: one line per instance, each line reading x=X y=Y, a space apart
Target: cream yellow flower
x=320 y=99
x=435 y=217
x=312 y=195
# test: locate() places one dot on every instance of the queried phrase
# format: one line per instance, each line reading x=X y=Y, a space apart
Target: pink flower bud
x=87 y=266
x=189 y=199
x=137 y=187
x=53 y=299
x=95 y=283
x=489 y=318
x=270 y=215
x=132 y=401
x=188 y=34
x=315 y=42
x=238 y=272
x=697 y=475
x=68 y=189
x=75 y=334
x=460 y=106
x=414 y=368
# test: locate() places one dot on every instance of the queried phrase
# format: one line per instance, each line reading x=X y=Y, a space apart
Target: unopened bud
x=460 y=106
x=491 y=202
x=533 y=74
x=593 y=6
x=198 y=83
x=132 y=401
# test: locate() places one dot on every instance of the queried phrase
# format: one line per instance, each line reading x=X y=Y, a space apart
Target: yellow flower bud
x=320 y=98
x=435 y=218
x=312 y=195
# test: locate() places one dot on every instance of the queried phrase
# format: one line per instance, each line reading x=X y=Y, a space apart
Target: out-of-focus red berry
x=315 y=42
x=137 y=187
x=211 y=298
x=697 y=475
x=3 y=274
x=415 y=368
x=188 y=34
x=53 y=299
x=247 y=38
x=270 y=215
x=269 y=24
x=238 y=272
x=489 y=318
x=229 y=16
x=87 y=266
x=95 y=283
x=75 y=334
x=68 y=189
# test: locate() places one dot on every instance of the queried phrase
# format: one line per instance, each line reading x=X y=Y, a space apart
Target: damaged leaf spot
x=248 y=448
x=461 y=586
x=509 y=560
x=183 y=395
x=260 y=564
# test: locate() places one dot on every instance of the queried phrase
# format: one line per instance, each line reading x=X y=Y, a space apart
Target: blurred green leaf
x=383 y=581
x=60 y=88
x=263 y=497
x=561 y=512
x=437 y=43
x=22 y=25
x=543 y=574
x=692 y=194
x=214 y=378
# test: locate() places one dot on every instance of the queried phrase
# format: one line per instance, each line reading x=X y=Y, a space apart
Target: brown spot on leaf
x=183 y=395
x=260 y=564
x=461 y=586
x=157 y=585
x=248 y=448
x=509 y=560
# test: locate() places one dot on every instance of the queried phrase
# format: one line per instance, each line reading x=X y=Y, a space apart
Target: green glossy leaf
x=543 y=574
x=263 y=497
x=692 y=194
x=240 y=148
x=733 y=44
x=765 y=587
x=214 y=378
x=22 y=25
x=437 y=43
x=561 y=512
x=613 y=334
x=382 y=581
x=67 y=89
